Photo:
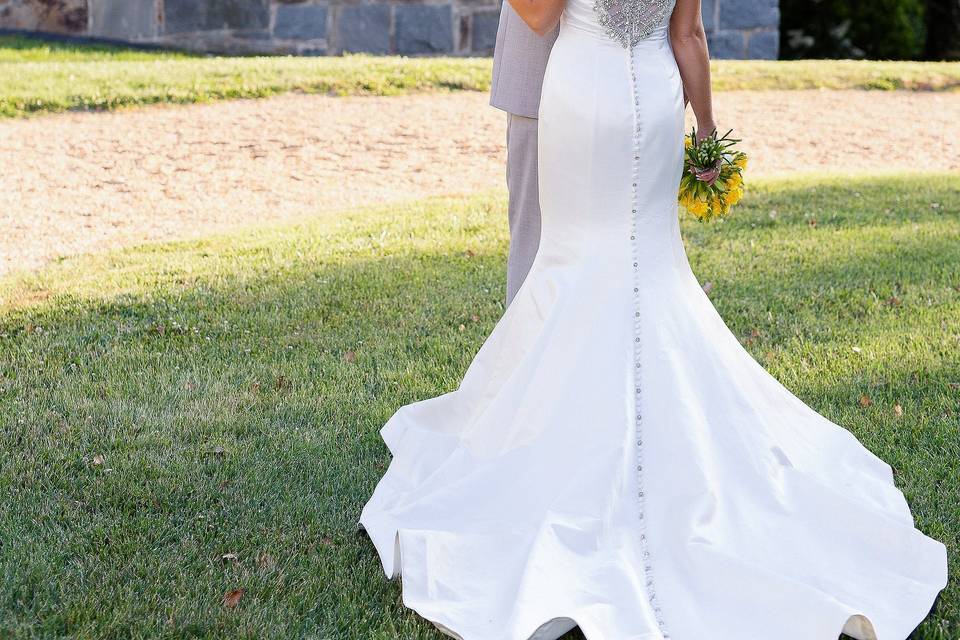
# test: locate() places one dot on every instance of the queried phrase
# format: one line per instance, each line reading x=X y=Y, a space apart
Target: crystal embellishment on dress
x=630 y=21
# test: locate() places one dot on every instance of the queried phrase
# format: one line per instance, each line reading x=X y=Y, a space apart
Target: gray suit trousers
x=524 y=202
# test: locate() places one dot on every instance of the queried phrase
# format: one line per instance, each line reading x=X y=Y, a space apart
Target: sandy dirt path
x=92 y=181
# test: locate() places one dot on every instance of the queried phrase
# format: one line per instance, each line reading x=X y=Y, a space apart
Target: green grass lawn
x=44 y=77
x=164 y=406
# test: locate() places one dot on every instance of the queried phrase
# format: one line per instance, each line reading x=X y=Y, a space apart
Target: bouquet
x=712 y=180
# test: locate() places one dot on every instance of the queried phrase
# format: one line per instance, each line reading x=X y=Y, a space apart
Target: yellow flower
x=732 y=196
x=687 y=142
x=741 y=162
x=734 y=181
x=698 y=208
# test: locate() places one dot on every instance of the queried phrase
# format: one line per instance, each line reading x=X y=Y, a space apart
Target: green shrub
x=943 y=29
x=879 y=29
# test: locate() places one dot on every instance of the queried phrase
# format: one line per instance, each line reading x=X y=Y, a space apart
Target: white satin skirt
x=613 y=458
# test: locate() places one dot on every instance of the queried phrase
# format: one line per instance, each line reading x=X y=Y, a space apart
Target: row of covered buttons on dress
x=637 y=329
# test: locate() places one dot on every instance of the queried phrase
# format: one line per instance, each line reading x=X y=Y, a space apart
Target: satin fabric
x=524 y=503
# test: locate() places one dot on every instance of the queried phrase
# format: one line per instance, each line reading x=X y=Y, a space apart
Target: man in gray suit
x=519 y=60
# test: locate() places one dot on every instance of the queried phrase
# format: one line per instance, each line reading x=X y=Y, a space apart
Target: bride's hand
x=705 y=130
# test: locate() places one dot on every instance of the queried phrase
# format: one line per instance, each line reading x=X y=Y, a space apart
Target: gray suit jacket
x=519 y=60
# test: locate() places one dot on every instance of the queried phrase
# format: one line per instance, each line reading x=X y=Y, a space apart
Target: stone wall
x=55 y=16
x=736 y=28
x=742 y=28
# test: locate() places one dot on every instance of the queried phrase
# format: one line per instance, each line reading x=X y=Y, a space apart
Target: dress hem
x=856 y=625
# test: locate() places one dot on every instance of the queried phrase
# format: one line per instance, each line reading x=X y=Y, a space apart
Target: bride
x=613 y=458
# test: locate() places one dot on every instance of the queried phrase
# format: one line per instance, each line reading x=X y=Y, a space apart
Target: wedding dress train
x=613 y=458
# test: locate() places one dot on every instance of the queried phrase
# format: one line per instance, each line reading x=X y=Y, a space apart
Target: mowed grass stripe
x=39 y=77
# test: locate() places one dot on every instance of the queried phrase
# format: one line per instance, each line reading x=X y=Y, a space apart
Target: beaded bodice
x=630 y=21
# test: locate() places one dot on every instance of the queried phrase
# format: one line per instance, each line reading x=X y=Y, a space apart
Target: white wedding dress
x=613 y=458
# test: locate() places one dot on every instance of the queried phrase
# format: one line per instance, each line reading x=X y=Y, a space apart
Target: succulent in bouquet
x=712 y=181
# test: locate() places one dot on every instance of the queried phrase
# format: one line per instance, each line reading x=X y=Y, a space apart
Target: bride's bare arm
x=690 y=49
x=540 y=15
